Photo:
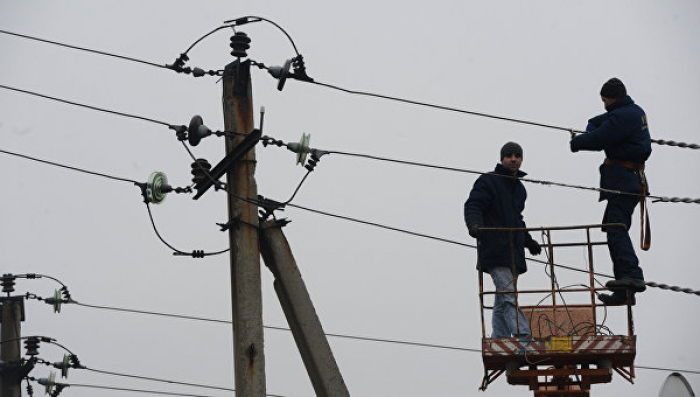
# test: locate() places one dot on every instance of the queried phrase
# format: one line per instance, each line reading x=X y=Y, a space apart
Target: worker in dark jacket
x=622 y=133
x=498 y=200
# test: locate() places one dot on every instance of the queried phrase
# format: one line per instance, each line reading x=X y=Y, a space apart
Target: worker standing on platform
x=498 y=200
x=623 y=134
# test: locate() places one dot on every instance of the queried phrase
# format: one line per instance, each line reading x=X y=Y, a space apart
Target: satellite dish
x=676 y=386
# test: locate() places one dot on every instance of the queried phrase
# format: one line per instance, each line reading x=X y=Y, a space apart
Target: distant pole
x=300 y=312
x=248 y=345
x=10 y=381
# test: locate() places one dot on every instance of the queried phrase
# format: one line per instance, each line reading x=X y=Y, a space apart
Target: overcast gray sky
x=538 y=60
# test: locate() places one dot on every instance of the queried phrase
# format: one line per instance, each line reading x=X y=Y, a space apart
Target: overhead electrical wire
x=112 y=373
x=126 y=58
x=229 y=322
x=537 y=181
x=99 y=109
x=542 y=182
x=244 y=20
x=365 y=222
x=486 y=115
x=687 y=371
x=195 y=253
x=101 y=387
x=440 y=107
x=72 y=168
x=152 y=379
x=334 y=335
x=198 y=253
x=32 y=276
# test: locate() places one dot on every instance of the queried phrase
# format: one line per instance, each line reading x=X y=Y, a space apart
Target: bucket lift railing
x=566 y=354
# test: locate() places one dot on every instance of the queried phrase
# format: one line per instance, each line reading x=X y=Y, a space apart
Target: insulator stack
x=200 y=170
x=32 y=346
x=240 y=42
x=8 y=283
x=313 y=160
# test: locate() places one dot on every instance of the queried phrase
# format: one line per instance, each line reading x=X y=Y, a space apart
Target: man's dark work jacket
x=623 y=134
x=497 y=201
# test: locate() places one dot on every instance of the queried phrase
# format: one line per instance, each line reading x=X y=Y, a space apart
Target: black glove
x=533 y=247
x=474 y=230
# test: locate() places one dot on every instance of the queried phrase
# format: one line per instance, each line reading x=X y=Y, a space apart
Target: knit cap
x=511 y=147
x=613 y=89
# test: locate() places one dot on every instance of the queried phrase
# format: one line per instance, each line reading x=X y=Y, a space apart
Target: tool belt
x=645 y=229
x=625 y=163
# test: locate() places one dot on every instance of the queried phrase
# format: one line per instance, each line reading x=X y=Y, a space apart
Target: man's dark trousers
x=619 y=210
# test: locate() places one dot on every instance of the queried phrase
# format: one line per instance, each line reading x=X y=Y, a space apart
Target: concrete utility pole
x=12 y=316
x=301 y=315
x=248 y=342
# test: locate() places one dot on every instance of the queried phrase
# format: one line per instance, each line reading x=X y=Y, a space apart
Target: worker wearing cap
x=623 y=134
x=498 y=200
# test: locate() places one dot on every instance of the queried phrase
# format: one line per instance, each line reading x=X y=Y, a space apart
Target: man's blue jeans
x=504 y=319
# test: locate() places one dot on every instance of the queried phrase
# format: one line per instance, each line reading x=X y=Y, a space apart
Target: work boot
x=616 y=299
x=634 y=284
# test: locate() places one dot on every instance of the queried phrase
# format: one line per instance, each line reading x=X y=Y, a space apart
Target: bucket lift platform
x=567 y=353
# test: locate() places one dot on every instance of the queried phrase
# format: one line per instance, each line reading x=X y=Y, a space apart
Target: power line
x=335 y=335
x=62 y=385
x=194 y=253
x=112 y=373
x=72 y=168
x=486 y=115
x=381 y=226
x=65 y=101
x=542 y=182
x=157 y=379
x=248 y=19
x=228 y=322
x=687 y=371
x=441 y=107
x=126 y=58
x=346 y=218
x=455 y=242
x=537 y=181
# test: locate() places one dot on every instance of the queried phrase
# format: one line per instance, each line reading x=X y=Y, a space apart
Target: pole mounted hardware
x=282 y=73
x=64 y=365
x=200 y=170
x=32 y=346
x=227 y=162
x=240 y=42
x=301 y=149
x=8 y=283
x=157 y=188
x=197 y=131
x=56 y=301
x=49 y=384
